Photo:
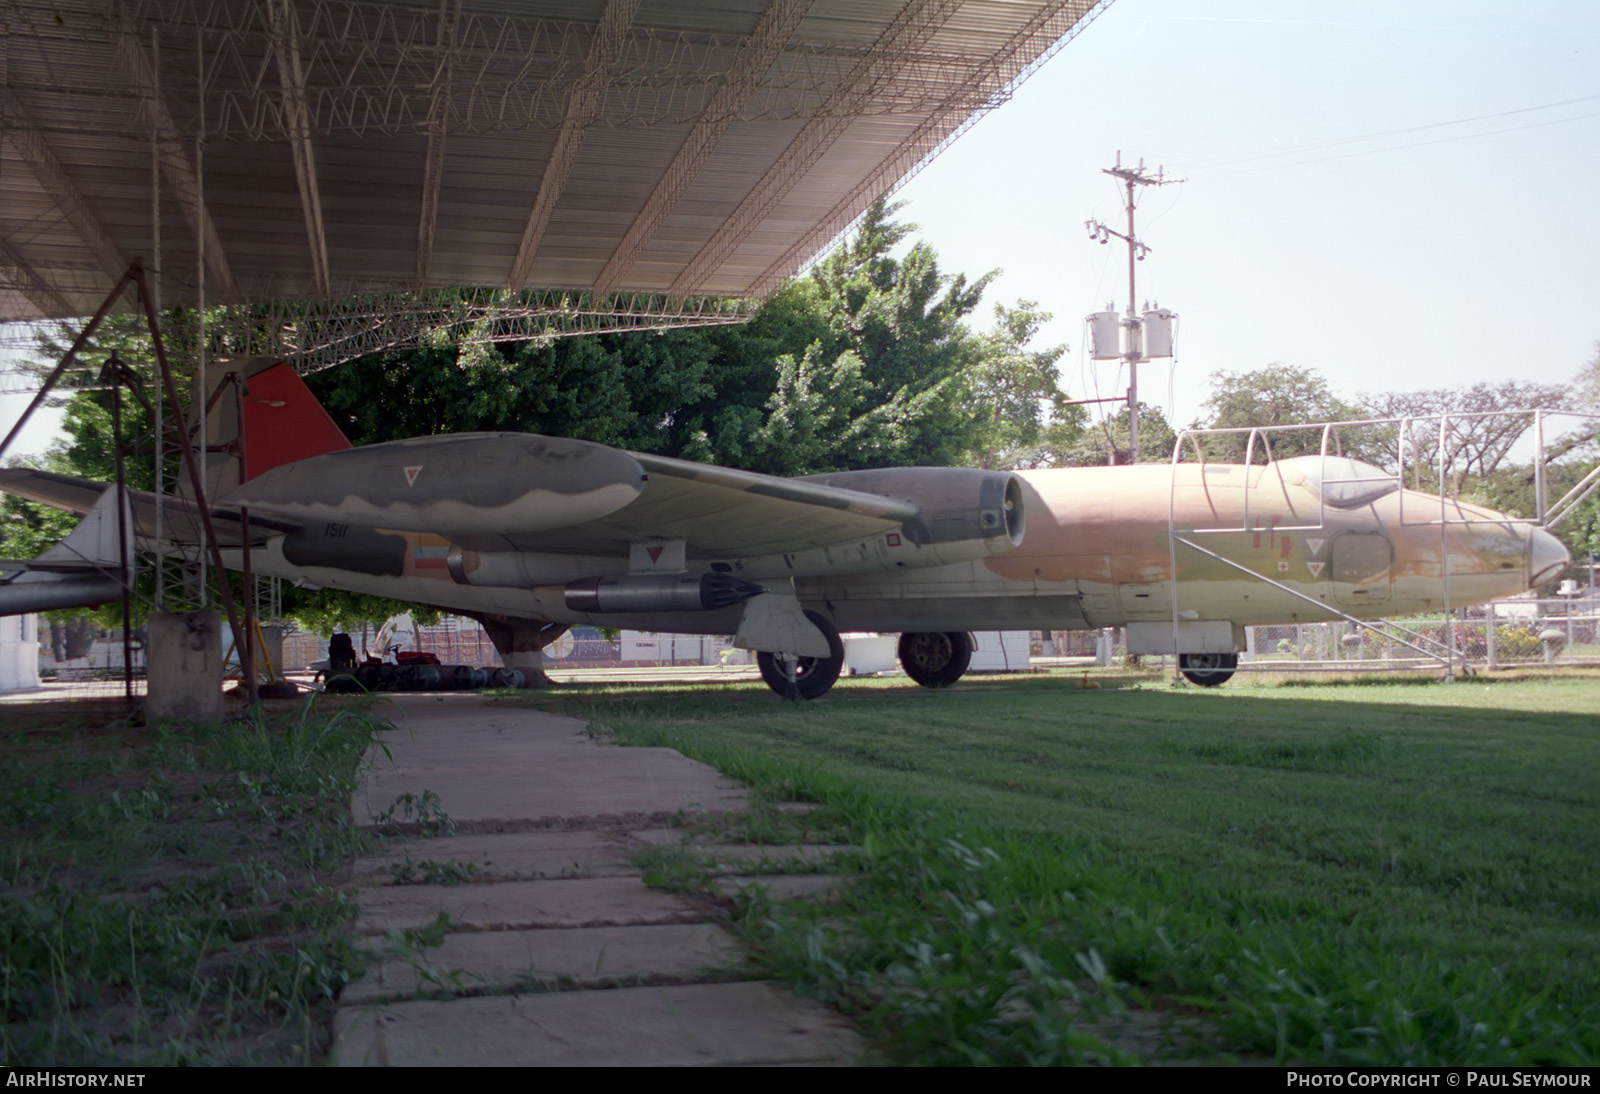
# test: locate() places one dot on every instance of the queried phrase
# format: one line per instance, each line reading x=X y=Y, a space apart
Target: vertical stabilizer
x=259 y=415
x=95 y=543
x=283 y=422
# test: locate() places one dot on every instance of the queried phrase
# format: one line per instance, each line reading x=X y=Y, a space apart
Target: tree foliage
x=866 y=362
x=1479 y=430
x=1276 y=395
x=1093 y=447
x=325 y=611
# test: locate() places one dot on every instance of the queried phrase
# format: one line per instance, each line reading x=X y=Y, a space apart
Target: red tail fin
x=283 y=422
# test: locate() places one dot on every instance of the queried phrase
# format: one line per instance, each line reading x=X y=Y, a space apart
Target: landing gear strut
x=934 y=659
x=804 y=677
x=1208 y=669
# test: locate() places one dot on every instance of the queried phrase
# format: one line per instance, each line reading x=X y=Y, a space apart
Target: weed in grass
x=429 y=872
x=410 y=947
x=675 y=868
x=423 y=816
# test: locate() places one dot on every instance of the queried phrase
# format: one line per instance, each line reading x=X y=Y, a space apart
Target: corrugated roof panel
x=80 y=84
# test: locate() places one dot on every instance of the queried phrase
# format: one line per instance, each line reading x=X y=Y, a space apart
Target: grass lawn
x=1395 y=871
x=164 y=893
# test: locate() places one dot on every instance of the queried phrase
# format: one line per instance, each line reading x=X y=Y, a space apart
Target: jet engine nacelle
x=981 y=510
x=964 y=515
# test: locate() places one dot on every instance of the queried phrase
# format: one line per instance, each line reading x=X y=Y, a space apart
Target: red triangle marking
x=411 y=474
x=654 y=553
x=1315 y=568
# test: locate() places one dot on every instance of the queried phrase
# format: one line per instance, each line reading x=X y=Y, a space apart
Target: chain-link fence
x=1558 y=631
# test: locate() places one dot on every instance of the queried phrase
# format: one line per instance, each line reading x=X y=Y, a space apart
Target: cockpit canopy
x=1343 y=483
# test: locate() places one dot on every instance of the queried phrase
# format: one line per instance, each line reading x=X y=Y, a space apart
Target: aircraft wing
x=525 y=492
x=721 y=511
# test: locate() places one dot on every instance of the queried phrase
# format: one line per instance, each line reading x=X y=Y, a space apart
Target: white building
x=19 y=652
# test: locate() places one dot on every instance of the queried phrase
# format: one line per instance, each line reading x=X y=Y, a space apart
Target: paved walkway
x=554 y=951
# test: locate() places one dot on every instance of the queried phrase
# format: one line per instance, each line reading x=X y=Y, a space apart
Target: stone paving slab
x=523 y=905
x=748 y=1023
x=497 y=766
x=540 y=853
x=782 y=886
x=743 y=854
x=529 y=794
x=732 y=856
x=580 y=956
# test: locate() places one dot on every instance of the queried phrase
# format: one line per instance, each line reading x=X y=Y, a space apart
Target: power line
x=1422 y=144
x=1318 y=146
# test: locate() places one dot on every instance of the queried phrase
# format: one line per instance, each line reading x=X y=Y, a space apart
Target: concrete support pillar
x=521 y=642
x=184 y=668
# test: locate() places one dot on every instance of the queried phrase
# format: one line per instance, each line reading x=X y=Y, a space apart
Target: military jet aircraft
x=532 y=534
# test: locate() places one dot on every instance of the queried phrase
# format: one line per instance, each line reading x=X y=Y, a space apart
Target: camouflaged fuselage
x=1097 y=549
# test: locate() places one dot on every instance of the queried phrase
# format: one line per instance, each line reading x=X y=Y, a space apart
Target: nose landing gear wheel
x=804 y=677
x=1208 y=669
x=935 y=660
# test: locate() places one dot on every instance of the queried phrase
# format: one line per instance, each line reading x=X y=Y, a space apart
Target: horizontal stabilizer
x=51 y=566
x=83 y=570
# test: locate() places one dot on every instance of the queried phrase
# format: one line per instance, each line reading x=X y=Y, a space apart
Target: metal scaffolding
x=1435 y=439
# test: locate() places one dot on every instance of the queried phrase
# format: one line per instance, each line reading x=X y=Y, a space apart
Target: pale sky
x=1397 y=193
x=1382 y=190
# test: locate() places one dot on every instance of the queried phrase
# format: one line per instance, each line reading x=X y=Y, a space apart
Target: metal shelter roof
x=607 y=157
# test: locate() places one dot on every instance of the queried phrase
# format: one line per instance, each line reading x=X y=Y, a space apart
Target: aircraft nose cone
x=1547 y=556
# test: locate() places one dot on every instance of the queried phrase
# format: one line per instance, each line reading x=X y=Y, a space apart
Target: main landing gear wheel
x=804 y=677
x=1208 y=669
x=935 y=660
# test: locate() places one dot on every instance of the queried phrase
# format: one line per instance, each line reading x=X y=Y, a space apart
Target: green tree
x=1587 y=383
x=1095 y=445
x=1480 y=428
x=1280 y=395
x=1023 y=416
x=867 y=362
x=324 y=611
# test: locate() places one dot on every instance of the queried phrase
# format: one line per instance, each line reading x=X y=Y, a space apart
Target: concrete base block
x=185 y=667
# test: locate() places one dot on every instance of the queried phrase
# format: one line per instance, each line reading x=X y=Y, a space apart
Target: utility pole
x=1133 y=342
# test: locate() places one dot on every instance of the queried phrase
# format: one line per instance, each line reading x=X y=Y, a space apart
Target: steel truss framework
x=1414 y=435
x=627 y=154
x=318 y=334
x=372 y=68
